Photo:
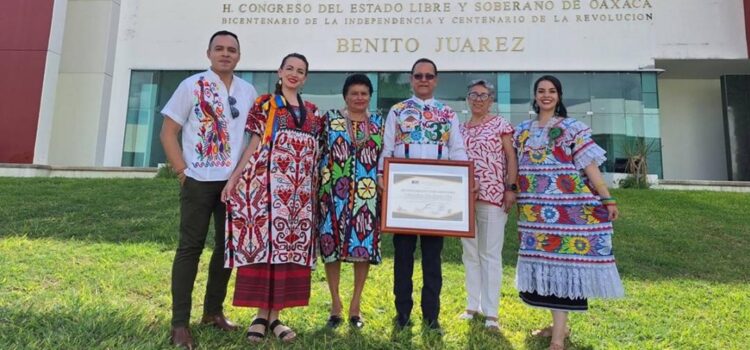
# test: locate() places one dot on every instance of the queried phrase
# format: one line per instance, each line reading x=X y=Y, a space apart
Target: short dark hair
x=222 y=33
x=356 y=79
x=424 y=60
x=560 y=109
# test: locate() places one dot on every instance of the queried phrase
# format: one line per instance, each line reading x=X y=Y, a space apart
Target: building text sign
x=386 y=35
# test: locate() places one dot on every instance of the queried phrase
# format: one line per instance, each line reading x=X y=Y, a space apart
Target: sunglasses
x=232 y=108
x=478 y=97
x=420 y=76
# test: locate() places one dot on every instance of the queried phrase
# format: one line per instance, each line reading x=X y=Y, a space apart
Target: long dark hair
x=560 y=109
x=302 y=109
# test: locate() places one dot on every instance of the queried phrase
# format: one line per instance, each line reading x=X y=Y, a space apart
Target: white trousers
x=482 y=257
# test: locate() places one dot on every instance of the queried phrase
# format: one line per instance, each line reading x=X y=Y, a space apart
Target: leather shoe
x=402 y=322
x=181 y=337
x=220 y=321
x=434 y=326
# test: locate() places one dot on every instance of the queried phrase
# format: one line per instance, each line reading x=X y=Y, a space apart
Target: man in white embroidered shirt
x=422 y=128
x=210 y=110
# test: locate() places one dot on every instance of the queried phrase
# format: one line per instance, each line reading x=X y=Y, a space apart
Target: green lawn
x=86 y=264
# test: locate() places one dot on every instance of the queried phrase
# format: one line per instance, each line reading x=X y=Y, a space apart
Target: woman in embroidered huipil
x=565 y=214
x=349 y=211
x=272 y=201
x=489 y=144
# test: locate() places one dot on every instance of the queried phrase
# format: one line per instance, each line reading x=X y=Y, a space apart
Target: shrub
x=166 y=172
x=634 y=182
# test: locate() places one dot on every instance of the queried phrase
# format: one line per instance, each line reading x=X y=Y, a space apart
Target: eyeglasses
x=232 y=108
x=420 y=76
x=478 y=97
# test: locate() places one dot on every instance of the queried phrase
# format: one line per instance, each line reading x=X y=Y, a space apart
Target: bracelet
x=611 y=201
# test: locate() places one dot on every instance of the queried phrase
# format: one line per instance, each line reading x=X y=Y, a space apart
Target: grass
x=85 y=264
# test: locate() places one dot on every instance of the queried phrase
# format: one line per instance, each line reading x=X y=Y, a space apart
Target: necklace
x=352 y=129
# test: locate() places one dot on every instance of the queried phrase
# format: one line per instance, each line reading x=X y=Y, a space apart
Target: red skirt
x=272 y=286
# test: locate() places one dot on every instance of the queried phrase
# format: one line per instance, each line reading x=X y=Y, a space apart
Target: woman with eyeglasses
x=271 y=202
x=349 y=211
x=489 y=145
x=565 y=214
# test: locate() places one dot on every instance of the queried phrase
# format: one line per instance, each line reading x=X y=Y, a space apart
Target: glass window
x=632 y=92
x=520 y=93
x=606 y=93
x=648 y=82
x=265 y=82
x=620 y=108
x=392 y=88
x=324 y=90
x=149 y=92
x=139 y=118
x=576 y=91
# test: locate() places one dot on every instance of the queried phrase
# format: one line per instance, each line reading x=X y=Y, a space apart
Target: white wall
x=692 y=129
x=172 y=34
x=84 y=83
x=699 y=29
x=44 y=130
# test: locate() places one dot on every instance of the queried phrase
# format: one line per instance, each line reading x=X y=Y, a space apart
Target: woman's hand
x=181 y=176
x=230 y=188
x=614 y=213
x=509 y=199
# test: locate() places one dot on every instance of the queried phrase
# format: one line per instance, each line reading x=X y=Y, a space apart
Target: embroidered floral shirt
x=212 y=137
x=484 y=146
x=422 y=129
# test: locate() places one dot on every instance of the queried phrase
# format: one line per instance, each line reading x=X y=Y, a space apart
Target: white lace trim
x=569 y=281
x=592 y=153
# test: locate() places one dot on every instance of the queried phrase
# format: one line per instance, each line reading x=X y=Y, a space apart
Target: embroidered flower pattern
x=349 y=223
x=568 y=245
x=562 y=226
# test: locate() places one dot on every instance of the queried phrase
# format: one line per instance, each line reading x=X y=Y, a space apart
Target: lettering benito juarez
x=441 y=44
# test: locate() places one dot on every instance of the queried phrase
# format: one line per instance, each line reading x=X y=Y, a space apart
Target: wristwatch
x=512 y=187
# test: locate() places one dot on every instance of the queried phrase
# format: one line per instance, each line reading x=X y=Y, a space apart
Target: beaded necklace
x=353 y=129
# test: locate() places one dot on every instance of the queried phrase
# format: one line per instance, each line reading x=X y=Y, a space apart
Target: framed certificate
x=428 y=197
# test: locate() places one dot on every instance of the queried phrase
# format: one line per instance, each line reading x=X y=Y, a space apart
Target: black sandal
x=356 y=322
x=257 y=335
x=282 y=336
x=334 y=321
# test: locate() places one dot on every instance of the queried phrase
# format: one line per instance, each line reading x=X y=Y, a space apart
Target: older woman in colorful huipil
x=566 y=212
x=272 y=202
x=349 y=212
x=489 y=144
